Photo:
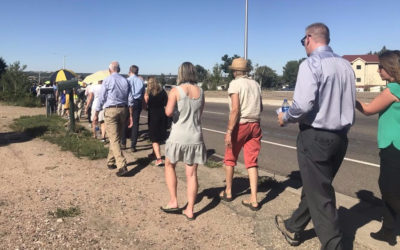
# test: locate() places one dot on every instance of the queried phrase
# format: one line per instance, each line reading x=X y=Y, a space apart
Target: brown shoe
x=292 y=238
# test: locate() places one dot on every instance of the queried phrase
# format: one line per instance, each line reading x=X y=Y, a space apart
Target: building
x=366 y=71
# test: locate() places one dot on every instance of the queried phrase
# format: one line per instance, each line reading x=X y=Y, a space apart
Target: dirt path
x=119 y=213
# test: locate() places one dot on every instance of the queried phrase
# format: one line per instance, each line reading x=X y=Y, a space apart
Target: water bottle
x=285 y=105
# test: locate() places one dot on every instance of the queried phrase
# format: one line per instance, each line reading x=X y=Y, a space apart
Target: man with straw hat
x=243 y=130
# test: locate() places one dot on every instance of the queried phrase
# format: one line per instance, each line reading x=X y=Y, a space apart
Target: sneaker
x=292 y=238
x=159 y=162
x=122 y=171
x=386 y=235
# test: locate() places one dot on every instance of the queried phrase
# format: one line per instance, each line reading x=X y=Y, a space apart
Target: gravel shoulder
x=36 y=178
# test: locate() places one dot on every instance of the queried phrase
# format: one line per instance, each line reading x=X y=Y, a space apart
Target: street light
x=245 y=31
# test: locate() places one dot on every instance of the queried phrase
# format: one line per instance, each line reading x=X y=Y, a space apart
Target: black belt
x=340 y=131
x=117 y=106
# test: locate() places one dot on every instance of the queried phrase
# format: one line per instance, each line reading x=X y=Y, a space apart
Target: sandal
x=171 y=210
x=250 y=205
x=223 y=196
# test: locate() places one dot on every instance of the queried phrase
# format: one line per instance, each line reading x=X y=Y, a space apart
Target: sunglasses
x=303 y=40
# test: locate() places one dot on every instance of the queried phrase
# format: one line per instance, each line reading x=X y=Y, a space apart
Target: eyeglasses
x=303 y=40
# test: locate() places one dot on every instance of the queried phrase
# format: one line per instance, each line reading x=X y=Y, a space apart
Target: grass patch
x=213 y=164
x=62 y=213
x=24 y=100
x=52 y=129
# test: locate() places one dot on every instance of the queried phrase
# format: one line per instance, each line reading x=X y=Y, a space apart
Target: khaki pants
x=115 y=119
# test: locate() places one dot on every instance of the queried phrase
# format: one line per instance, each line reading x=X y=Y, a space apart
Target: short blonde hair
x=153 y=88
x=390 y=61
x=187 y=73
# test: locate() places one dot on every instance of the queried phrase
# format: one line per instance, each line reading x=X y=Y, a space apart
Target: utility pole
x=245 y=31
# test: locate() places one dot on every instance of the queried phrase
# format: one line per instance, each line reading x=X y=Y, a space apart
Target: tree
x=3 y=66
x=290 y=71
x=266 y=76
x=162 y=79
x=216 y=77
x=378 y=52
x=201 y=73
x=14 y=81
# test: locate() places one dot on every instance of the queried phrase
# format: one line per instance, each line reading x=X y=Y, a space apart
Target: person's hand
x=280 y=119
x=130 y=122
x=228 y=140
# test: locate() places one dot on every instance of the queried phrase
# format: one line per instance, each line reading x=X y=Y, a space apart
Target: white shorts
x=101 y=115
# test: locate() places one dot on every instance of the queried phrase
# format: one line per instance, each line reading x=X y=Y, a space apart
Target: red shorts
x=246 y=136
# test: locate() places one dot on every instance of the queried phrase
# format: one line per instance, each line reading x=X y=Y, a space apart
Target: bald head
x=319 y=33
x=114 y=67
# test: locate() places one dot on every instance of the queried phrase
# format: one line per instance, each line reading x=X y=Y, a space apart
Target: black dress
x=157 y=120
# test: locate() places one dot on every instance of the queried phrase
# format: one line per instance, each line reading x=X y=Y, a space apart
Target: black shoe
x=384 y=234
x=112 y=166
x=123 y=146
x=133 y=149
x=122 y=171
x=292 y=238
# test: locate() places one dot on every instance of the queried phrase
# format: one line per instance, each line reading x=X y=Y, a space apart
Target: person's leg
x=156 y=150
x=135 y=128
x=192 y=186
x=171 y=180
x=253 y=178
x=251 y=149
x=319 y=162
x=121 y=124
x=103 y=130
x=111 y=122
x=230 y=158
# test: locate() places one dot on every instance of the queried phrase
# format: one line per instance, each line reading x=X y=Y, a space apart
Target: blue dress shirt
x=137 y=86
x=324 y=96
x=115 y=91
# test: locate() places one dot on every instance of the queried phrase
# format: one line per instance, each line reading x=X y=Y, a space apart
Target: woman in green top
x=387 y=104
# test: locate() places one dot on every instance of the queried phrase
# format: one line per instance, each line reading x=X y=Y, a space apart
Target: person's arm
x=304 y=95
x=89 y=101
x=233 y=118
x=145 y=101
x=381 y=102
x=172 y=99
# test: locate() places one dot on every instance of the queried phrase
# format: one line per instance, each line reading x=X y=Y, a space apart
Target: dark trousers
x=320 y=154
x=389 y=185
x=137 y=109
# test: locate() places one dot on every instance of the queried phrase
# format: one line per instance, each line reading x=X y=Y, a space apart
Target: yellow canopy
x=97 y=76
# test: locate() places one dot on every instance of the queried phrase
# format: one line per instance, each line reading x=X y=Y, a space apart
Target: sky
x=158 y=35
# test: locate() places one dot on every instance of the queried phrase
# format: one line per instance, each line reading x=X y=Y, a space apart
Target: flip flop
x=171 y=210
x=250 y=205
x=188 y=218
x=224 y=197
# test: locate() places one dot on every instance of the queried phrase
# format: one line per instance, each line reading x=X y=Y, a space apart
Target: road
x=359 y=171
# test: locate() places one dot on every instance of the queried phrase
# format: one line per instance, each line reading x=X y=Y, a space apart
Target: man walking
x=323 y=105
x=243 y=130
x=115 y=97
x=137 y=89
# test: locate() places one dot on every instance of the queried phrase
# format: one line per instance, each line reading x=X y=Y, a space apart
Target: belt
x=339 y=131
x=117 y=106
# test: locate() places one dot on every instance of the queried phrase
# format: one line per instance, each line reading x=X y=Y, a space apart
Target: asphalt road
x=359 y=171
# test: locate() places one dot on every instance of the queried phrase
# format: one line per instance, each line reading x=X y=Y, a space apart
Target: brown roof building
x=366 y=71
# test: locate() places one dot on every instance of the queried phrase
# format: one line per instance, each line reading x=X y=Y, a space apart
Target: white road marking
x=211 y=112
x=291 y=147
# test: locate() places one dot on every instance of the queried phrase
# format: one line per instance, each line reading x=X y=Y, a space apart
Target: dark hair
x=390 y=61
x=134 y=69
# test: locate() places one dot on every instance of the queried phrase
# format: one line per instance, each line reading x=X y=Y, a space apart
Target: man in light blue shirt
x=137 y=90
x=115 y=97
x=323 y=105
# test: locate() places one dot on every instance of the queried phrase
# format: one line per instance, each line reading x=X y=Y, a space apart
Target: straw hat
x=239 y=64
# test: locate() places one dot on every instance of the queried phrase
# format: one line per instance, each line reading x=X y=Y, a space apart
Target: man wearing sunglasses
x=323 y=105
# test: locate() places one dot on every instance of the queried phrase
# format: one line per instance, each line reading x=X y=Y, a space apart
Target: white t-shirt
x=95 y=89
x=249 y=92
